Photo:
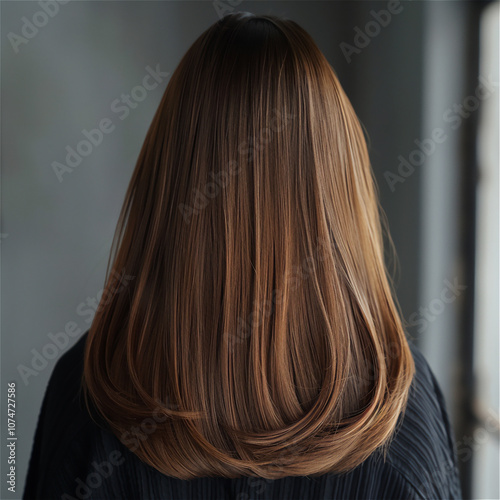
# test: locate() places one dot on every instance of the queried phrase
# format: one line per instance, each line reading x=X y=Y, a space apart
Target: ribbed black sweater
x=73 y=458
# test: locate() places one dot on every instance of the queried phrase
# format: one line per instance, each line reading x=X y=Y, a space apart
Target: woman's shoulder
x=423 y=449
x=62 y=417
x=423 y=441
x=421 y=459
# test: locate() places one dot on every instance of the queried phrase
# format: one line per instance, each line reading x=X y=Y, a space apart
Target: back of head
x=260 y=329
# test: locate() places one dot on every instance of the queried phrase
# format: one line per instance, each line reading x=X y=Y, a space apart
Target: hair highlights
x=260 y=329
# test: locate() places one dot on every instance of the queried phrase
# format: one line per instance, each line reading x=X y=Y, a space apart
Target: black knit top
x=74 y=458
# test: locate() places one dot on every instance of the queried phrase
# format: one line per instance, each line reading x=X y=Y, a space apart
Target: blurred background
x=422 y=76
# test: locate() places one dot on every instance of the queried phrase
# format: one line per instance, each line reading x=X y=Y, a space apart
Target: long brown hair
x=260 y=335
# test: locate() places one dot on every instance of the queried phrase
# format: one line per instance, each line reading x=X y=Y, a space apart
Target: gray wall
x=56 y=235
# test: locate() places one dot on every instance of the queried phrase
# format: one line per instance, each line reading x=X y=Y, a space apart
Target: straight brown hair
x=260 y=335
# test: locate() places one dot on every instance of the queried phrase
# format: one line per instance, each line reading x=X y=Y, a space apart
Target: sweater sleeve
x=427 y=454
x=453 y=481
x=35 y=465
x=59 y=421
